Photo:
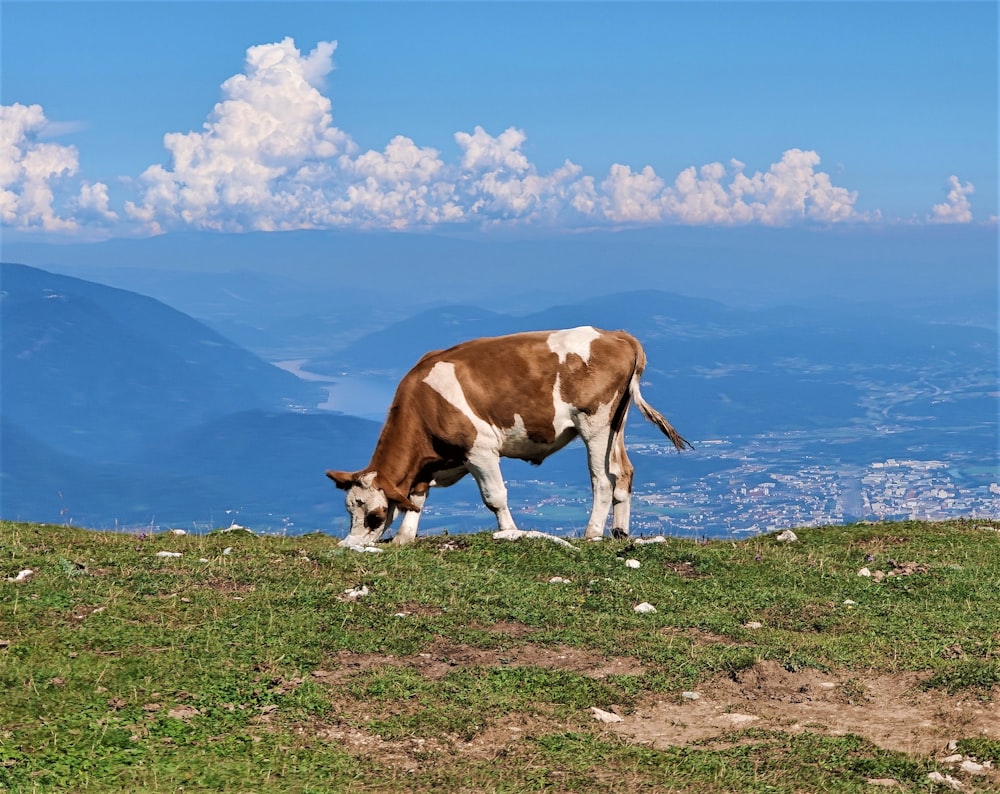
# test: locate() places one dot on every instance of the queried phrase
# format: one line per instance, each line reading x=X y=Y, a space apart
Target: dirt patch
x=888 y=710
x=442 y=658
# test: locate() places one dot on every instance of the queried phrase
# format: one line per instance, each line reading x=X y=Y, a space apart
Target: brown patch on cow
x=614 y=356
x=522 y=375
x=890 y=710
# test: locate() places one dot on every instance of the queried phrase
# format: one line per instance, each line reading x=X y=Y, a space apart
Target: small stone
x=354 y=593
x=690 y=695
x=972 y=768
x=177 y=532
x=644 y=608
x=885 y=782
x=946 y=780
x=753 y=624
x=23 y=576
x=632 y=563
x=878 y=576
x=849 y=603
x=787 y=536
x=957 y=758
x=605 y=716
x=559 y=580
x=864 y=572
x=227 y=551
x=168 y=554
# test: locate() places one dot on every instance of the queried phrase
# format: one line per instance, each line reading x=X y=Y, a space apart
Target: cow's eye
x=373 y=521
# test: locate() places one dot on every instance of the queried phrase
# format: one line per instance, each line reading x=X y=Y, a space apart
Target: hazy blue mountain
x=119 y=410
x=97 y=372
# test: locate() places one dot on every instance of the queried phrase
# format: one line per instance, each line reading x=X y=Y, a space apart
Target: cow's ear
x=344 y=479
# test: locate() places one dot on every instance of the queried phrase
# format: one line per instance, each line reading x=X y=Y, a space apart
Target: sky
x=132 y=119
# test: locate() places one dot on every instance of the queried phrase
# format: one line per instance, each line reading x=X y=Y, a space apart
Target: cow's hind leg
x=621 y=476
x=598 y=459
x=486 y=471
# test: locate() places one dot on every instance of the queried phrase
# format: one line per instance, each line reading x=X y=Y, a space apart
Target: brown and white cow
x=458 y=411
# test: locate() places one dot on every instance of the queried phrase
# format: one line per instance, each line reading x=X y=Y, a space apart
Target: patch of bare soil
x=441 y=658
x=889 y=710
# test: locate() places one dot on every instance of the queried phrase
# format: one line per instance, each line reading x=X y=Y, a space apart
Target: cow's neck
x=403 y=459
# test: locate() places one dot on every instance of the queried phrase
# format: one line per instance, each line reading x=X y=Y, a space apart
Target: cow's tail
x=648 y=411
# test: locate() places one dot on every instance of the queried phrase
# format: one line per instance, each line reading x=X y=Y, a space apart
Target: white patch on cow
x=573 y=340
x=444 y=381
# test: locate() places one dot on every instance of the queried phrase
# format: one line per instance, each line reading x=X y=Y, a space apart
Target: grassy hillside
x=458 y=664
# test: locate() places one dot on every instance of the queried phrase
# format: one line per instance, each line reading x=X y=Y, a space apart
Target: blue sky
x=135 y=118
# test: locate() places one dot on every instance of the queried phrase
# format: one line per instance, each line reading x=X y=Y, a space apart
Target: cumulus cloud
x=29 y=169
x=269 y=157
x=956 y=208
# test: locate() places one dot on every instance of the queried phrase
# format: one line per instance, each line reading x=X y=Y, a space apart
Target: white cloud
x=250 y=167
x=269 y=157
x=956 y=208
x=27 y=169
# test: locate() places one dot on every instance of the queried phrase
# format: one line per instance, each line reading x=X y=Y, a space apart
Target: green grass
x=241 y=666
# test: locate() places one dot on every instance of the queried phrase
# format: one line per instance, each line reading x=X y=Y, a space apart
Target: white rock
x=864 y=572
x=690 y=695
x=644 y=608
x=632 y=563
x=559 y=580
x=23 y=575
x=517 y=534
x=957 y=758
x=227 y=550
x=178 y=532
x=946 y=780
x=849 y=603
x=354 y=593
x=168 y=554
x=787 y=536
x=753 y=624
x=972 y=768
x=655 y=539
x=604 y=716
x=364 y=549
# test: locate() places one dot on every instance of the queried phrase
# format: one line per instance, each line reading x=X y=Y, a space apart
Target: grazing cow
x=458 y=411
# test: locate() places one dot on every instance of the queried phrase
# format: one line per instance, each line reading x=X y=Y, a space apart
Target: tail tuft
x=658 y=419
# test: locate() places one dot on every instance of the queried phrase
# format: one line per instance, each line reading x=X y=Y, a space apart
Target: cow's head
x=371 y=506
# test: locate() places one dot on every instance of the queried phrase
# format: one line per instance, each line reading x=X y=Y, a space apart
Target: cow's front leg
x=486 y=471
x=407 y=531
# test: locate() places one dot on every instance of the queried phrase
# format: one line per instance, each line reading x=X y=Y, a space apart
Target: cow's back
x=510 y=379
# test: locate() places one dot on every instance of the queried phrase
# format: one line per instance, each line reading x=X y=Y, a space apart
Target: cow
x=524 y=395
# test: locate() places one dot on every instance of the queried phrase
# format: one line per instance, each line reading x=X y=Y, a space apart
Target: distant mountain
x=264 y=470
x=98 y=372
x=119 y=410
x=712 y=367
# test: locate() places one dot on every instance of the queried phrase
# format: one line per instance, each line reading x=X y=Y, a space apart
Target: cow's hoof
x=618 y=534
